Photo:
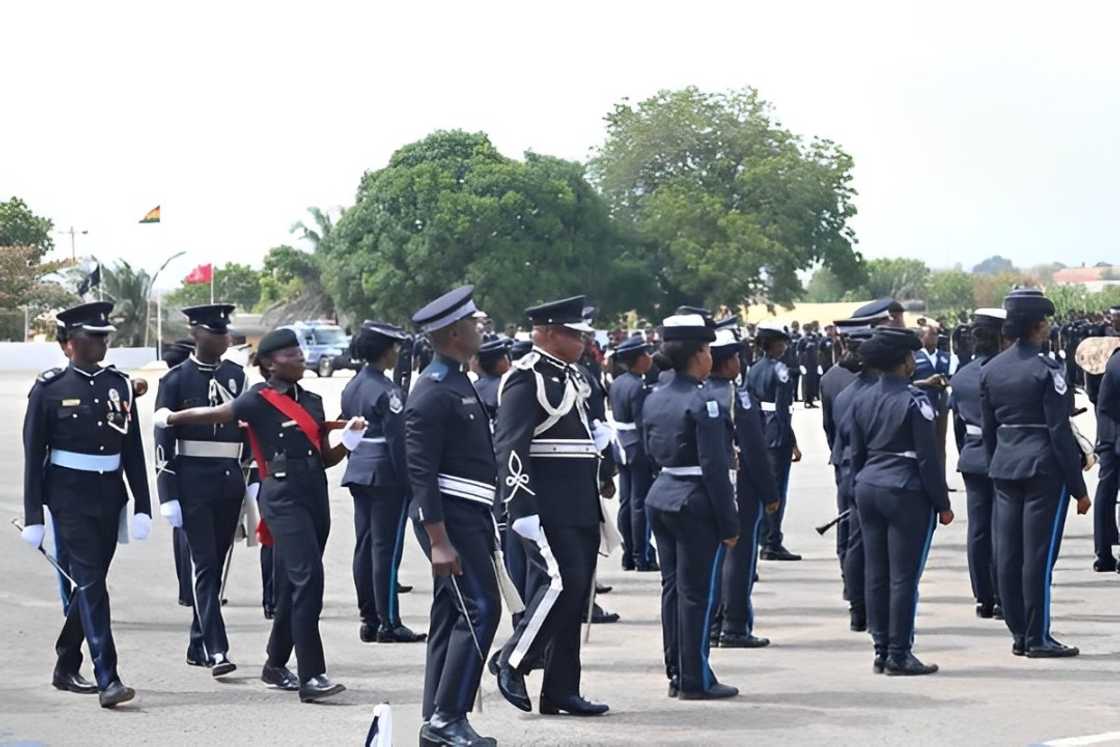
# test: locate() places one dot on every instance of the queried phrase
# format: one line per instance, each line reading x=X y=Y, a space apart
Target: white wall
x=39 y=356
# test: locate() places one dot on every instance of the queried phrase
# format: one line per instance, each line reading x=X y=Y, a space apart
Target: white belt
x=563 y=447
x=471 y=490
x=1025 y=425
x=85 y=462
x=374 y=440
x=683 y=471
x=903 y=454
x=625 y=426
x=772 y=407
x=973 y=430
x=209 y=449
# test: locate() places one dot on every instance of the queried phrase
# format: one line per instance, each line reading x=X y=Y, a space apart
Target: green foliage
x=233 y=283
x=20 y=227
x=729 y=204
x=896 y=277
x=321 y=227
x=995 y=265
x=950 y=290
x=127 y=287
x=450 y=209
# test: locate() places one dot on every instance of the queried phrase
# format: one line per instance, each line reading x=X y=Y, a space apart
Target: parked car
x=326 y=346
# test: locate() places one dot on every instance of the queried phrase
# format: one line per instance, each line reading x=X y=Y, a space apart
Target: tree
x=994 y=265
x=950 y=290
x=233 y=283
x=127 y=288
x=28 y=289
x=292 y=288
x=20 y=227
x=450 y=209
x=728 y=204
x=897 y=277
x=316 y=234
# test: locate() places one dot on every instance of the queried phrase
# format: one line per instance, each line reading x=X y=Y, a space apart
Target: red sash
x=304 y=422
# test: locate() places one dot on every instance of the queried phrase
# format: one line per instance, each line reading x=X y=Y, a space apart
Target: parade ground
x=813 y=685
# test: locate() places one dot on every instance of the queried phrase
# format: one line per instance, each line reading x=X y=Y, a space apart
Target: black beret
x=277 y=339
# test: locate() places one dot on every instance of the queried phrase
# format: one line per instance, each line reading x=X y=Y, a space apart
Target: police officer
x=288 y=433
x=790 y=358
x=81 y=440
x=972 y=463
x=1108 y=454
x=1034 y=462
x=173 y=355
x=808 y=362
x=627 y=395
x=772 y=385
x=377 y=478
x=827 y=352
x=452 y=475
x=931 y=375
x=692 y=505
x=548 y=470
x=493 y=362
x=755 y=488
x=199 y=476
x=900 y=494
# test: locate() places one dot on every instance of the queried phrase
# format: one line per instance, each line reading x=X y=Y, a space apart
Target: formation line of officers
x=504 y=482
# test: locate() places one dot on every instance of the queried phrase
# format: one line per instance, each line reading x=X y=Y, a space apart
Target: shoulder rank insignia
x=395 y=404
x=745 y=400
x=1059 y=381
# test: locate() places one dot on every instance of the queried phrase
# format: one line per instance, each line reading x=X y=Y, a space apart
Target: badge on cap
x=745 y=400
x=395 y=404
x=1059 y=381
x=713 y=409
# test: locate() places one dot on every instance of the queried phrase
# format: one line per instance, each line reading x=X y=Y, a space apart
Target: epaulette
x=235 y=364
x=1049 y=361
x=436 y=371
x=118 y=372
x=527 y=361
x=50 y=376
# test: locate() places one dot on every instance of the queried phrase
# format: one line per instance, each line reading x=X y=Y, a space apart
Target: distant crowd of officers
x=502 y=452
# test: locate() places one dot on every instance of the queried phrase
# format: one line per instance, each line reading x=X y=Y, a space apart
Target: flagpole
x=212 y=271
x=159 y=323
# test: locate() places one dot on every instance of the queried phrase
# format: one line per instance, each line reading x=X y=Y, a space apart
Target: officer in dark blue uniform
x=288 y=432
x=691 y=503
x=1034 y=462
x=81 y=440
x=452 y=475
x=772 y=385
x=1108 y=454
x=855 y=331
x=493 y=362
x=755 y=487
x=900 y=494
x=549 y=479
x=199 y=476
x=931 y=375
x=834 y=381
x=827 y=352
x=964 y=400
x=808 y=362
x=627 y=395
x=173 y=355
x=378 y=481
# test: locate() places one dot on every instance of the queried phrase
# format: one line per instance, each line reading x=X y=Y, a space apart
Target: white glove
x=528 y=527
x=159 y=419
x=820 y=370
x=602 y=433
x=353 y=433
x=140 y=526
x=33 y=534
x=173 y=512
x=252 y=489
x=802 y=369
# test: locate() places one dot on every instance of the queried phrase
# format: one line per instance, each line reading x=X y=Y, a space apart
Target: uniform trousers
x=897 y=528
x=1030 y=515
x=780 y=461
x=91 y=541
x=691 y=558
x=842 y=525
x=1105 y=533
x=810 y=386
x=981 y=537
x=298 y=516
x=855 y=559
x=268 y=597
x=634 y=480
x=180 y=548
x=550 y=628
x=739 y=565
x=380 y=521
x=528 y=575
x=457 y=649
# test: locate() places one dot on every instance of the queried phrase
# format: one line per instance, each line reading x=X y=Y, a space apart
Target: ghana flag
x=152 y=216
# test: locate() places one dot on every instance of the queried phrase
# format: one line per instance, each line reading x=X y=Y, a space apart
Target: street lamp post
x=159 y=312
x=74 y=232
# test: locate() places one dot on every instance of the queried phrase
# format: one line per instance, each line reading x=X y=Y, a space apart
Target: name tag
x=288 y=424
x=71 y=402
x=468 y=400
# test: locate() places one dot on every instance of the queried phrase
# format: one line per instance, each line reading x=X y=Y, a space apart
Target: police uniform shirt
x=447 y=440
x=964 y=401
x=379 y=459
x=893 y=441
x=487 y=388
x=627 y=395
x=1025 y=404
x=926 y=365
x=87 y=421
x=1108 y=405
x=195 y=384
x=771 y=384
x=826 y=350
x=744 y=418
x=285 y=448
x=547 y=461
x=842 y=411
x=834 y=381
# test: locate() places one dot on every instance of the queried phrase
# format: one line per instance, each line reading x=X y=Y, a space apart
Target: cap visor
x=580 y=327
x=95 y=330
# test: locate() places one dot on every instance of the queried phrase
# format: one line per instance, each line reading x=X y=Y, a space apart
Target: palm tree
x=127 y=288
x=314 y=235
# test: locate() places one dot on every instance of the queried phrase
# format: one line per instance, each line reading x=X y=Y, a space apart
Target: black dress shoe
x=195 y=659
x=741 y=640
x=279 y=677
x=573 y=705
x=603 y=589
x=1105 y=565
x=908 y=666
x=115 y=694
x=269 y=613
x=399 y=633
x=457 y=733
x=879 y=665
x=985 y=610
x=715 y=692
x=318 y=688
x=72 y=683
x=778 y=553
x=511 y=684
x=1018 y=647
x=187 y=603
x=650 y=567
x=367 y=633
x=222 y=666
x=599 y=616
x=674 y=686
x=403 y=588
x=1052 y=650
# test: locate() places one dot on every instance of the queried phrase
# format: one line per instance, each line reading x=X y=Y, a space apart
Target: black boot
x=858 y=620
x=368 y=632
x=986 y=610
x=1019 y=646
x=908 y=665
x=1105 y=564
x=717 y=691
x=279 y=677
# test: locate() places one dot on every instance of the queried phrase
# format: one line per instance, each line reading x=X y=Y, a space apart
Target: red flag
x=200 y=274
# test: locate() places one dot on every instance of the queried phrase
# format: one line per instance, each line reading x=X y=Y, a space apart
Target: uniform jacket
x=1108 y=407
x=295 y=467
x=628 y=393
x=487 y=388
x=379 y=460
x=754 y=475
x=770 y=382
x=924 y=368
x=834 y=381
x=968 y=418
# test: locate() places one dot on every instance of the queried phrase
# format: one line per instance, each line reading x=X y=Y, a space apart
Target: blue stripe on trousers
x=393 y=567
x=705 y=641
x=921 y=569
x=752 y=566
x=1051 y=558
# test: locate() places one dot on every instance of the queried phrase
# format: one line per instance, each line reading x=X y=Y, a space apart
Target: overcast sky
x=977 y=128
